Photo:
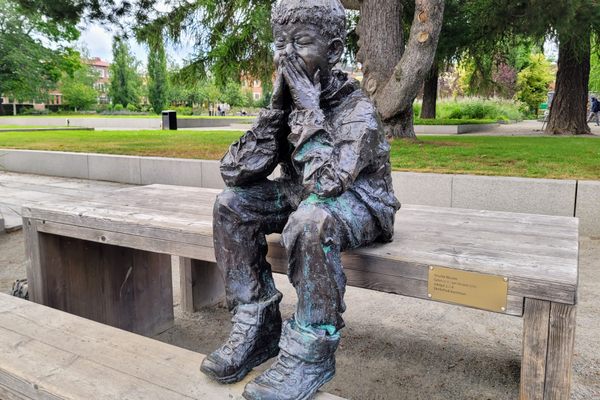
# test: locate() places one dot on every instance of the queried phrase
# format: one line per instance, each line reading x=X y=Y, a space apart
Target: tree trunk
x=568 y=112
x=430 y=89
x=392 y=75
x=401 y=126
x=14 y=108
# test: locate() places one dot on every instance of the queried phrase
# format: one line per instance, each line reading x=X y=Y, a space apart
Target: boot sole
x=241 y=374
x=308 y=396
x=315 y=388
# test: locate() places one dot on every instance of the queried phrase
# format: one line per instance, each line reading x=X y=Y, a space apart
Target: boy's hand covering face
x=302 y=57
x=305 y=90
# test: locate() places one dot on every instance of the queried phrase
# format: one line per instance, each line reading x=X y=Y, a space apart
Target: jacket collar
x=339 y=88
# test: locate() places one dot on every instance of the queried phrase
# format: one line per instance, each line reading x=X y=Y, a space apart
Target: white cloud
x=98 y=41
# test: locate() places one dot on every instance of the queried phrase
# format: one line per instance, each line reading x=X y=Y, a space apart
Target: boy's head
x=314 y=30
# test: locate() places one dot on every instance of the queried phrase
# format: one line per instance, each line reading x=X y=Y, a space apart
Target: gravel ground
x=401 y=348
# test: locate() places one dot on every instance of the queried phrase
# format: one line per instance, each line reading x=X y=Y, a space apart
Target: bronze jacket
x=341 y=147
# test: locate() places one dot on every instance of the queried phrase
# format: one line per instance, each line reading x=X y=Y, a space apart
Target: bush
x=131 y=108
x=533 y=82
x=417 y=109
x=474 y=108
x=118 y=107
x=33 y=111
x=182 y=110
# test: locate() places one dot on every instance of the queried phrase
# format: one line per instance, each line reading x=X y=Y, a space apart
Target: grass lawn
x=538 y=157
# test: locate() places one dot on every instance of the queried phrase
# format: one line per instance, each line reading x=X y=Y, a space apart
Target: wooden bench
x=49 y=354
x=107 y=260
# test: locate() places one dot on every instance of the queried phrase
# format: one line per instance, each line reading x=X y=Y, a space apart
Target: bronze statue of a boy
x=335 y=193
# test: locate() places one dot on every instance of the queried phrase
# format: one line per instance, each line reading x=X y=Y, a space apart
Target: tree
x=124 y=80
x=34 y=51
x=234 y=38
x=594 y=85
x=572 y=22
x=394 y=70
x=232 y=94
x=158 y=83
x=78 y=89
x=533 y=82
x=568 y=110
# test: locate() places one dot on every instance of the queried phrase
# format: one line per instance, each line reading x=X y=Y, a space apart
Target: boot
x=253 y=340
x=306 y=362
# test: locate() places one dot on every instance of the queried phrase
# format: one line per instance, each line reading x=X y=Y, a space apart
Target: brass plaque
x=486 y=292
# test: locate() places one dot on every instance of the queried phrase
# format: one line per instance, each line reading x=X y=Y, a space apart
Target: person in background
x=595 y=111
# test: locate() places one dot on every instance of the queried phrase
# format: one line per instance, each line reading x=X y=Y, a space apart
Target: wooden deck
x=49 y=354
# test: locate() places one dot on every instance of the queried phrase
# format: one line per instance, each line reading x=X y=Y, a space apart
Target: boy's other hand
x=280 y=99
x=306 y=92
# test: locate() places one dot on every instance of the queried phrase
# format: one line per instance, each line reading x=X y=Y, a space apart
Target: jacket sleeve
x=256 y=154
x=333 y=160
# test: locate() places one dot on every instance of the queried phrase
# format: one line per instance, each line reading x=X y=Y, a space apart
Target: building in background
x=55 y=97
x=254 y=86
x=102 y=68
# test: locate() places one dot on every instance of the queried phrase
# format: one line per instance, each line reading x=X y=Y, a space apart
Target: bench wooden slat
x=49 y=354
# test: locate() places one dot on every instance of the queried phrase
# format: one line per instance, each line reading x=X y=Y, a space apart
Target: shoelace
x=236 y=337
x=282 y=367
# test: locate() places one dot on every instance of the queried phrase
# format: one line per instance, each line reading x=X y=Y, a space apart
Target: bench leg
x=201 y=283
x=122 y=287
x=548 y=341
x=561 y=342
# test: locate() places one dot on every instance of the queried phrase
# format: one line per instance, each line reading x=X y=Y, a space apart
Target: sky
x=97 y=40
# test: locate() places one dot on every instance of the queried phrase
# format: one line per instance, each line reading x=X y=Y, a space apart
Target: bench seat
x=49 y=354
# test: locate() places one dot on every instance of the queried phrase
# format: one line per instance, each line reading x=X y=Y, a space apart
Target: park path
x=19 y=189
x=523 y=128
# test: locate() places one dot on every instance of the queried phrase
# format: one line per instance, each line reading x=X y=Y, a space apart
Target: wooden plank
x=33 y=264
x=536 y=319
x=208 y=284
x=186 y=283
x=561 y=342
x=48 y=354
x=118 y=286
x=197 y=250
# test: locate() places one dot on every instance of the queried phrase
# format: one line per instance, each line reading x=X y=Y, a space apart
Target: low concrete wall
x=534 y=196
x=453 y=129
x=183 y=123
x=537 y=196
x=588 y=207
x=99 y=123
x=424 y=189
x=72 y=165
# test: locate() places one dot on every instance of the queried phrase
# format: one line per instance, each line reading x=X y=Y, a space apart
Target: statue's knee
x=309 y=224
x=227 y=203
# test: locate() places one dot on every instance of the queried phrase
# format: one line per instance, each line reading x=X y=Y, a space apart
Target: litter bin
x=169 y=120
